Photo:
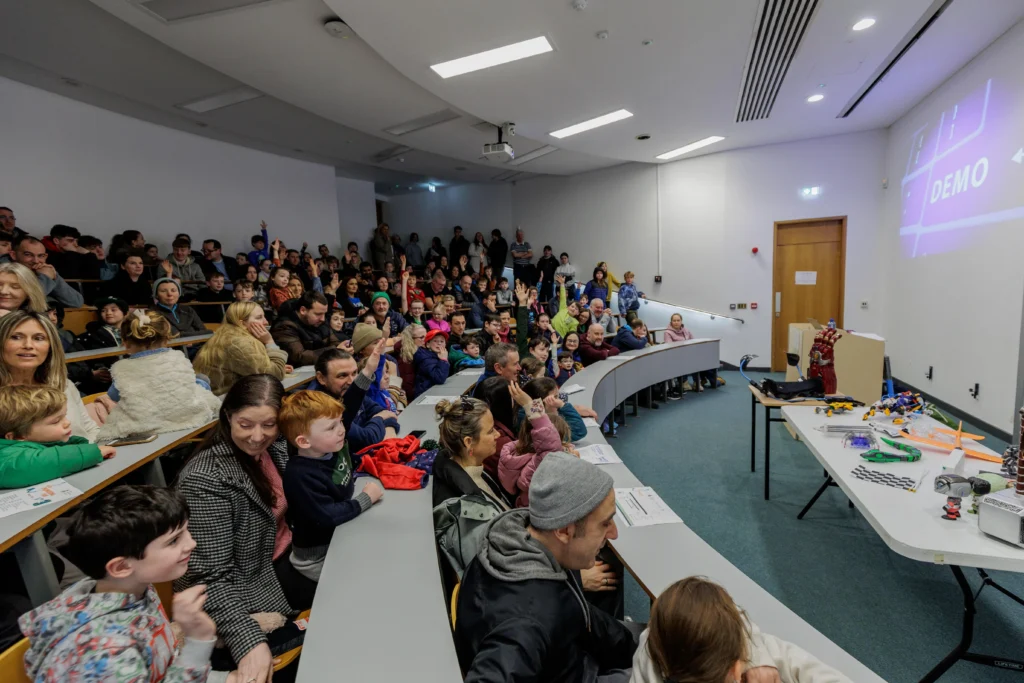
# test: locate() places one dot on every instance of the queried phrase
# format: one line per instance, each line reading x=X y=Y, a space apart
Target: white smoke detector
x=339 y=29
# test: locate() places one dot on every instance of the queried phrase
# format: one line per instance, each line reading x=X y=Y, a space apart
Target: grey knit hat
x=160 y=281
x=566 y=489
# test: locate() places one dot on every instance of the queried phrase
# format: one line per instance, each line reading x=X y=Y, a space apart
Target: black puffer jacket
x=521 y=617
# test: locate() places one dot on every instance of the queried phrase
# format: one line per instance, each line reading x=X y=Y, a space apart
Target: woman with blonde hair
x=241 y=346
x=412 y=338
x=20 y=290
x=32 y=355
x=156 y=389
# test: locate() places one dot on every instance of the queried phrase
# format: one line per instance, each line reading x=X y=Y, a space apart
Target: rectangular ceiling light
x=690 y=147
x=499 y=55
x=592 y=123
x=224 y=99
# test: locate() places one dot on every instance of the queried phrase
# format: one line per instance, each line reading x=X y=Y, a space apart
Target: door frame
x=775 y=274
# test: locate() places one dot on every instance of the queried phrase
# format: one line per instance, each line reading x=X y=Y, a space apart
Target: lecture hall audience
x=252 y=529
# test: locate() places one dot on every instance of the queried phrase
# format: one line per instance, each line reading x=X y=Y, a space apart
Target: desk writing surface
x=95 y=354
x=911 y=524
x=128 y=458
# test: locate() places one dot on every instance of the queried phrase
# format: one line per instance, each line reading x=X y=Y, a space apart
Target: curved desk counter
x=381 y=586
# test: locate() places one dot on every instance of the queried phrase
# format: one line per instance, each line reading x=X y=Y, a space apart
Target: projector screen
x=964 y=172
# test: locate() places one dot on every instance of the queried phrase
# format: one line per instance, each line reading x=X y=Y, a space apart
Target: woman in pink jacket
x=539 y=434
x=677 y=333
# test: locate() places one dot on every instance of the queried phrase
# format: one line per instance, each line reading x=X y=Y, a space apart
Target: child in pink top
x=539 y=434
x=438 y=322
x=677 y=333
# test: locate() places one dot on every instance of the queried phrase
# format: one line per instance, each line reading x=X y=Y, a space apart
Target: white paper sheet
x=571 y=388
x=471 y=372
x=641 y=506
x=590 y=422
x=806 y=277
x=599 y=454
x=20 y=500
x=434 y=400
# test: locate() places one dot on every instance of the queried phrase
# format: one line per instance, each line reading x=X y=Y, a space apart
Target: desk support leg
x=154 y=474
x=962 y=650
x=753 y=431
x=767 y=448
x=817 y=495
x=37 y=569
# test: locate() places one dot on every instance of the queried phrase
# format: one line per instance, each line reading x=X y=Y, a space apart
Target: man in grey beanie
x=521 y=612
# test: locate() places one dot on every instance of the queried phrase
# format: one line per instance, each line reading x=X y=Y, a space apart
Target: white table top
x=128 y=458
x=910 y=523
x=392 y=553
x=95 y=354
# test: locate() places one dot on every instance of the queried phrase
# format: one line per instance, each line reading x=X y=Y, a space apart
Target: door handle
x=778 y=304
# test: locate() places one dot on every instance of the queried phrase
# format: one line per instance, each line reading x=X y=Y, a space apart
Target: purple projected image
x=964 y=170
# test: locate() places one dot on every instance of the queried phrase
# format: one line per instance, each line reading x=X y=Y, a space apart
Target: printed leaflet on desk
x=641 y=506
x=599 y=454
x=471 y=372
x=20 y=500
x=434 y=400
x=572 y=388
x=590 y=422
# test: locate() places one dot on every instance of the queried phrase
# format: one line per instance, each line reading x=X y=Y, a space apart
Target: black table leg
x=828 y=482
x=962 y=649
x=767 y=448
x=753 y=430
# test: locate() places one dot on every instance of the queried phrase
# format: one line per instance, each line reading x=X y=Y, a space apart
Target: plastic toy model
x=822 y=359
x=835 y=407
x=861 y=439
x=875 y=455
x=955 y=488
x=956 y=447
x=905 y=447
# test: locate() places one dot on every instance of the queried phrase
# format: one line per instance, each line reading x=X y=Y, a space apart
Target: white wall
x=960 y=311
x=357 y=211
x=68 y=162
x=714 y=209
x=477 y=208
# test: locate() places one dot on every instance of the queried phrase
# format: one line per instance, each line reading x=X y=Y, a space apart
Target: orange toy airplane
x=957 y=433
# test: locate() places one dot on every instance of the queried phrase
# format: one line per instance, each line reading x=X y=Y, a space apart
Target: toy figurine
x=956 y=488
x=994 y=482
x=822 y=357
x=1010 y=456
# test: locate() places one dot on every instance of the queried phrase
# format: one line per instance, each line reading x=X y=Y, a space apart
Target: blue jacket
x=316 y=503
x=625 y=340
x=430 y=370
x=258 y=255
x=594 y=291
x=363 y=426
x=629 y=298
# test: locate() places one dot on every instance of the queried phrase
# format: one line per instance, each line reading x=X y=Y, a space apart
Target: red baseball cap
x=435 y=333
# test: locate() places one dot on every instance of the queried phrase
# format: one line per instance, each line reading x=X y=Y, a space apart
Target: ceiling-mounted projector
x=502 y=151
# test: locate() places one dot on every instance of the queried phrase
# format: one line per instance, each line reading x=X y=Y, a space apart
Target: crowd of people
x=243 y=531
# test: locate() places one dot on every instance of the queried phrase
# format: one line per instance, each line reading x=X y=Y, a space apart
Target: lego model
x=1001 y=514
x=822 y=357
x=955 y=488
x=834 y=407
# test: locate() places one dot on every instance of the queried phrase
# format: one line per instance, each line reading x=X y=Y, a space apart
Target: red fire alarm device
x=754 y=305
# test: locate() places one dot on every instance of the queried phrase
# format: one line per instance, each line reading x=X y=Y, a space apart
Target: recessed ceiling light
x=500 y=55
x=592 y=123
x=690 y=147
x=866 y=22
x=816 y=97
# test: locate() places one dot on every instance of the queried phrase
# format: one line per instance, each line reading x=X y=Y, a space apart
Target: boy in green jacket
x=37 y=445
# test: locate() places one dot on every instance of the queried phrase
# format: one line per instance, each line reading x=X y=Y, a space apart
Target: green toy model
x=905 y=447
x=875 y=455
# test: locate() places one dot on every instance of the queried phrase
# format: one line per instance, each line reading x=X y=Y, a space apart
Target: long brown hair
x=696 y=633
x=250 y=391
x=53 y=370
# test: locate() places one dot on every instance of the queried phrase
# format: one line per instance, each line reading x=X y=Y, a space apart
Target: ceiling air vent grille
x=171 y=11
x=781 y=25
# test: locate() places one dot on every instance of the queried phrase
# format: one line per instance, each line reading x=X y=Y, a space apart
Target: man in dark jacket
x=302 y=332
x=630 y=338
x=497 y=252
x=594 y=348
x=366 y=422
x=458 y=247
x=546 y=267
x=521 y=612
x=380 y=304
x=184 y=319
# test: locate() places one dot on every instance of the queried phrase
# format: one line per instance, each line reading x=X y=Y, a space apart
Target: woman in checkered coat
x=234 y=492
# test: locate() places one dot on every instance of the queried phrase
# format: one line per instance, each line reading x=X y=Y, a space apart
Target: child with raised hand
x=36 y=444
x=697 y=633
x=546 y=389
x=111 y=626
x=318 y=482
x=539 y=434
x=156 y=388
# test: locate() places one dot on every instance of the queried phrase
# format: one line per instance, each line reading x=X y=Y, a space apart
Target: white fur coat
x=158 y=394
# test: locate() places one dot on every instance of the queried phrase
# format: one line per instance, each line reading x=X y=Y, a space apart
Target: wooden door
x=810 y=264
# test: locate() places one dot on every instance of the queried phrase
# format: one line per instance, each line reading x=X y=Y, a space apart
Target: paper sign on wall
x=806 y=277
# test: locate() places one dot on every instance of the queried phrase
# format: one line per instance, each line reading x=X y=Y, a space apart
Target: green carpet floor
x=897 y=616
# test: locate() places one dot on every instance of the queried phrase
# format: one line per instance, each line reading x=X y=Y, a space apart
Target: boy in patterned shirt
x=111 y=627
